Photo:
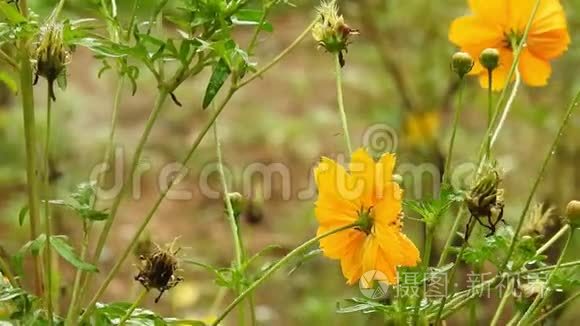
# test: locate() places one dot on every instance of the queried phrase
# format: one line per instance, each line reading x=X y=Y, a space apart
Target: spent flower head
x=330 y=31
x=51 y=55
x=485 y=201
x=158 y=269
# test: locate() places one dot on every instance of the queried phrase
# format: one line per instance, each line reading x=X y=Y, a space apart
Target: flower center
x=513 y=39
x=365 y=220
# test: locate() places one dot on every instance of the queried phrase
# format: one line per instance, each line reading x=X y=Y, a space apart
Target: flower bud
x=489 y=58
x=461 y=63
x=51 y=55
x=237 y=201
x=573 y=213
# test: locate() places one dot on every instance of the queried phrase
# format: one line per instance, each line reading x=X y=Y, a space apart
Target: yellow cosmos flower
x=368 y=195
x=421 y=127
x=500 y=24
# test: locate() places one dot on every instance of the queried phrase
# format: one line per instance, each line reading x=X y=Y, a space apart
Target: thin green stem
x=451 y=275
x=502 y=303
x=7 y=59
x=473 y=305
x=489 y=106
x=56 y=12
x=506 y=110
x=279 y=57
x=238 y=246
x=517 y=53
x=27 y=96
x=6 y=271
x=426 y=259
x=458 y=109
x=79 y=277
x=47 y=221
x=449 y=242
x=134 y=306
x=275 y=267
x=234 y=226
x=568 y=114
x=162 y=96
x=253 y=41
x=556 y=308
x=340 y=98
x=153 y=210
x=553 y=239
x=541 y=298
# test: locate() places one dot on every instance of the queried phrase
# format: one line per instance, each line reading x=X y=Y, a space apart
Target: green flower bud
x=237 y=201
x=489 y=58
x=461 y=63
x=573 y=213
x=51 y=55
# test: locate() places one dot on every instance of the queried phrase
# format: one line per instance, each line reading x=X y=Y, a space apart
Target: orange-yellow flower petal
x=550 y=44
x=535 y=71
x=493 y=11
x=362 y=169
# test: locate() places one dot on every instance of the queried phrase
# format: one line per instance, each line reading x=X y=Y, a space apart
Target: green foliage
x=494 y=249
x=111 y=314
x=432 y=210
x=82 y=203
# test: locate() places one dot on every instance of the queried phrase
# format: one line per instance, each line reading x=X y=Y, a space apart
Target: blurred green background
x=397 y=74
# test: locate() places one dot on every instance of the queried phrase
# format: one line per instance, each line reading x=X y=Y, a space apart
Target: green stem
x=56 y=11
x=447 y=171
x=234 y=226
x=502 y=303
x=547 y=159
x=134 y=306
x=553 y=240
x=449 y=242
x=153 y=210
x=27 y=96
x=451 y=275
x=254 y=39
x=473 y=305
x=489 y=107
x=426 y=258
x=6 y=271
x=162 y=96
x=506 y=109
x=340 y=98
x=47 y=221
x=275 y=267
x=542 y=297
x=556 y=308
x=279 y=57
x=517 y=53
x=238 y=246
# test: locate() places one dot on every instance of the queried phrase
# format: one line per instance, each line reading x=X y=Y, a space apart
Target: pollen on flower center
x=365 y=220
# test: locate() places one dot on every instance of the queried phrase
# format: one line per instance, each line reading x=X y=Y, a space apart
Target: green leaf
x=11 y=13
x=251 y=17
x=220 y=74
x=22 y=215
x=67 y=252
x=8 y=81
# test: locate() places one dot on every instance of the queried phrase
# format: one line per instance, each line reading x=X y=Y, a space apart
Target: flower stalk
x=47 y=218
x=340 y=98
x=298 y=250
x=134 y=306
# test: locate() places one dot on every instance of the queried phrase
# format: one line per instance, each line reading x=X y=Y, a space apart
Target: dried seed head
x=331 y=32
x=489 y=58
x=573 y=213
x=158 y=269
x=485 y=201
x=51 y=55
x=461 y=63
x=540 y=221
